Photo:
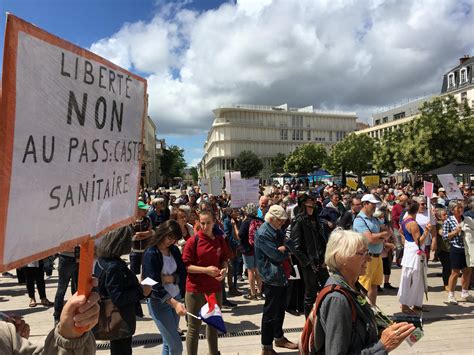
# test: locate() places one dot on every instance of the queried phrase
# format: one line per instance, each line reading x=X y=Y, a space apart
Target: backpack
x=306 y=345
x=254 y=225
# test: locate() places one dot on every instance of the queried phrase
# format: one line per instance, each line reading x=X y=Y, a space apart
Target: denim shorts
x=249 y=261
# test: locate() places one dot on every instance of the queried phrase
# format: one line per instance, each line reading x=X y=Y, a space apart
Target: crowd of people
x=195 y=245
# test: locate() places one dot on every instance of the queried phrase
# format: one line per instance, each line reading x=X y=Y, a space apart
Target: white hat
x=278 y=212
x=434 y=196
x=441 y=189
x=369 y=198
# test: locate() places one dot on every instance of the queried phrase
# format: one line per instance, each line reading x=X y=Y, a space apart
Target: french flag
x=211 y=314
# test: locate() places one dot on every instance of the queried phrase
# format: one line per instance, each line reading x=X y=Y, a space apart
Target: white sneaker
x=467 y=298
x=452 y=300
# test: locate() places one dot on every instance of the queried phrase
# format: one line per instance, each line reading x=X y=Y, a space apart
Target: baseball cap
x=142 y=205
x=369 y=198
x=278 y=212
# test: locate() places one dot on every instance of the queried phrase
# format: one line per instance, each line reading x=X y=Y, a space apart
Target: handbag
x=111 y=324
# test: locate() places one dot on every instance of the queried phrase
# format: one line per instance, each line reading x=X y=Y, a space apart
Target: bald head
x=403 y=199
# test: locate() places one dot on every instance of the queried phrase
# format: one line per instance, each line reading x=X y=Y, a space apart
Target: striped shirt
x=449 y=226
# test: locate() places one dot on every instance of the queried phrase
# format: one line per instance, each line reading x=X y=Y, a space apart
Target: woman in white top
x=423 y=218
x=162 y=262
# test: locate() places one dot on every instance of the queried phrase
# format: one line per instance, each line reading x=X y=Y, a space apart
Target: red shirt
x=204 y=252
x=396 y=212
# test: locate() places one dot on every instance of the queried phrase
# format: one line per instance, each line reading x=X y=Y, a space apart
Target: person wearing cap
x=271 y=251
x=309 y=249
x=141 y=232
x=442 y=198
x=367 y=225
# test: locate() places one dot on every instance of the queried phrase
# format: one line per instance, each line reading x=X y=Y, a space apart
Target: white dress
x=413 y=275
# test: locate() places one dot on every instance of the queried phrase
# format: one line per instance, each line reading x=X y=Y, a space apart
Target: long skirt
x=411 y=288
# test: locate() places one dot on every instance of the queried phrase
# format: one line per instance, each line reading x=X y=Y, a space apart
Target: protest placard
x=215 y=186
x=244 y=191
x=371 y=180
x=70 y=144
x=449 y=183
x=204 y=186
x=428 y=189
x=352 y=183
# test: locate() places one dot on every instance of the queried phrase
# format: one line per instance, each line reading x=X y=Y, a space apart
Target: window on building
x=463 y=76
x=397 y=116
x=330 y=136
x=463 y=96
x=385 y=119
x=284 y=134
x=377 y=122
x=309 y=135
x=451 y=83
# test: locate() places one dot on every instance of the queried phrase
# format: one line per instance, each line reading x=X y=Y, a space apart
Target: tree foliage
x=305 y=157
x=278 y=163
x=172 y=162
x=249 y=164
x=354 y=153
x=441 y=134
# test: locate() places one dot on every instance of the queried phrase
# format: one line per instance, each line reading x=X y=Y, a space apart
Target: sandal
x=47 y=303
x=408 y=310
x=33 y=303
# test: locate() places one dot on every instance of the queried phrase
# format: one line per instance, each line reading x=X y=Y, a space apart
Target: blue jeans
x=67 y=270
x=167 y=321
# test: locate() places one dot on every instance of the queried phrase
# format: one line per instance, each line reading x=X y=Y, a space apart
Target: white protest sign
x=229 y=176
x=204 y=186
x=239 y=190
x=252 y=191
x=70 y=145
x=452 y=189
x=215 y=186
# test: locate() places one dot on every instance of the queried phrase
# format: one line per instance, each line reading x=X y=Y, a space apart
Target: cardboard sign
x=371 y=180
x=352 y=183
x=449 y=183
x=244 y=191
x=70 y=145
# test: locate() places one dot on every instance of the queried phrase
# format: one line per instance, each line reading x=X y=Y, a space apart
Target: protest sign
x=371 y=180
x=70 y=145
x=204 y=186
x=229 y=176
x=428 y=189
x=215 y=186
x=352 y=183
x=449 y=183
x=244 y=191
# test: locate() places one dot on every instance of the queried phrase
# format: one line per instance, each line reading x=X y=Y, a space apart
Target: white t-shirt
x=422 y=219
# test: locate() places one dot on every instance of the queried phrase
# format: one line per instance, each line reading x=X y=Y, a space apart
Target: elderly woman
x=119 y=283
x=452 y=231
x=346 y=257
x=271 y=253
x=413 y=262
x=162 y=262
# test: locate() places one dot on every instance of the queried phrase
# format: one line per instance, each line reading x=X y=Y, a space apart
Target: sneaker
x=452 y=299
x=8 y=274
x=228 y=304
x=250 y=297
x=387 y=286
x=467 y=298
x=260 y=296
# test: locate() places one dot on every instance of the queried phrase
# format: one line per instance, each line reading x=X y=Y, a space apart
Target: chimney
x=463 y=59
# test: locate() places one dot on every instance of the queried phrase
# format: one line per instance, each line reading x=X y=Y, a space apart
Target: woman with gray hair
x=452 y=232
x=346 y=257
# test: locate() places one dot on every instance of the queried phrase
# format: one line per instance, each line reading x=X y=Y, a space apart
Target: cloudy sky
x=197 y=55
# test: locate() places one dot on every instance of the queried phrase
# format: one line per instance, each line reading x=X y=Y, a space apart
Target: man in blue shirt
x=369 y=227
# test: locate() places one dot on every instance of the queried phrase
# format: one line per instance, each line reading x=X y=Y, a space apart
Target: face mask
x=382 y=220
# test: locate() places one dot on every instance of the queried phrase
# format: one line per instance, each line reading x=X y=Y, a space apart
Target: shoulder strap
x=335 y=288
x=363 y=220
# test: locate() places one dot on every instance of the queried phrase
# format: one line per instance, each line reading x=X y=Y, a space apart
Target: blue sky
x=358 y=56
x=87 y=21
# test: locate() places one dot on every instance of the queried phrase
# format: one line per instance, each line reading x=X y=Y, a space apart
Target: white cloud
x=349 y=55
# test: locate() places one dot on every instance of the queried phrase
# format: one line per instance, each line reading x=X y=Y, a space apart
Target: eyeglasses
x=363 y=253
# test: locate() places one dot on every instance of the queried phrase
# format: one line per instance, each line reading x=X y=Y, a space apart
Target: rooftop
x=285 y=108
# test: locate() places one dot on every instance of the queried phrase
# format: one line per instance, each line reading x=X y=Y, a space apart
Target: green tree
x=278 y=163
x=441 y=134
x=172 y=162
x=194 y=174
x=387 y=151
x=305 y=157
x=354 y=153
x=249 y=164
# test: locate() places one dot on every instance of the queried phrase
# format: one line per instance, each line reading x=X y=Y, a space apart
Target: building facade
x=459 y=82
x=267 y=131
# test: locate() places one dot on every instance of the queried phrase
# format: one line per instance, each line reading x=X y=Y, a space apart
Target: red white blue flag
x=211 y=314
